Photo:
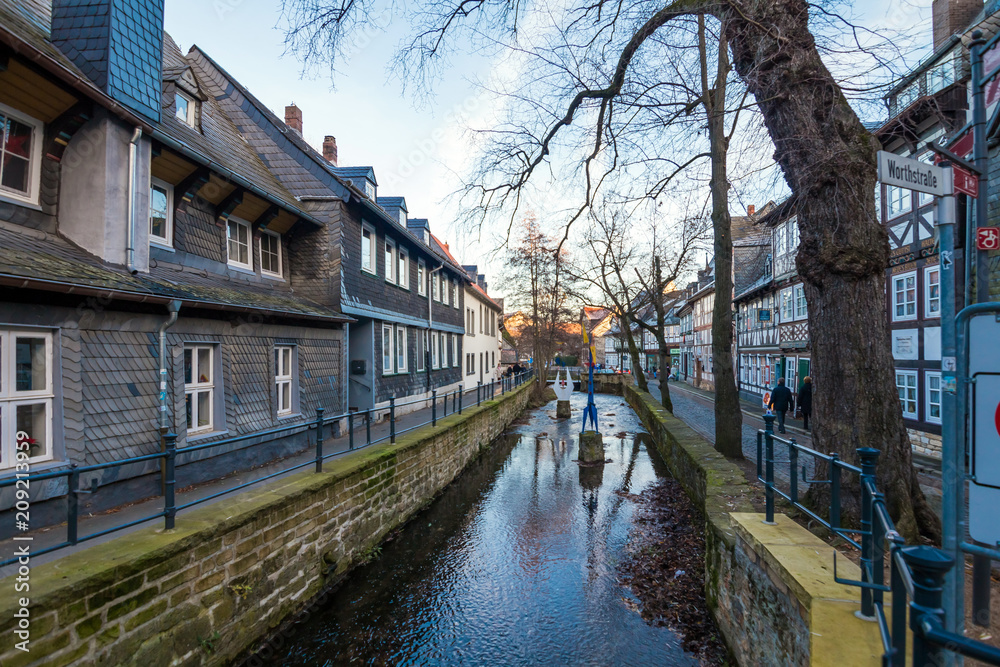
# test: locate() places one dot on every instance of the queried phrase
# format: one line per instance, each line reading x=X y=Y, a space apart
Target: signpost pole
x=952 y=449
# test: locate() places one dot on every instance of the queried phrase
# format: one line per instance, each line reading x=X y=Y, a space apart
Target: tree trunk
x=828 y=159
x=633 y=352
x=664 y=387
x=728 y=415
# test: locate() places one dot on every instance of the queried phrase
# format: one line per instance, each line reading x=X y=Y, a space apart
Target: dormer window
x=185 y=108
x=270 y=254
x=20 y=155
x=238 y=238
x=161 y=212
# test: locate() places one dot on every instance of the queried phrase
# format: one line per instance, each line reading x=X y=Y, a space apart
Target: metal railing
x=454 y=399
x=916 y=573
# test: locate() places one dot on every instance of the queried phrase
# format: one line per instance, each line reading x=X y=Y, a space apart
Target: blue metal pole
x=434 y=407
x=319 y=439
x=868 y=458
x=769 y=469
x=392 y=419
x=169 y=506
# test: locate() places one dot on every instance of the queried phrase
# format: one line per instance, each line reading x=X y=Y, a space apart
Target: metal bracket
x=858 y=584
x=92 y=489
x=805 y=478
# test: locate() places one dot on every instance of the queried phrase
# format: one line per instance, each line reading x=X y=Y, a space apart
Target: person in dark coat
x=806 y=400
x=781 y=402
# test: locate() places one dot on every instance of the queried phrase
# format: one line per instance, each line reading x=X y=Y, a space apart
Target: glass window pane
x=32 y=428
x=286 y=396
x=204 y=365
x=189 y=406
x=158 y=211
x=204 y=408
x=18 y=139
x=15 y=173
x=30 y=365
x=182 y=108
x=188 y=372
x=287 y=365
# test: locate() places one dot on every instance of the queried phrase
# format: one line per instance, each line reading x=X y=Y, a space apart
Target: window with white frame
x=26 y=393
x=368 y=249
x=434 y=350
x=404 y=269
x=442 y=353
x=904 y=296
x=454 y=351
x=933 y=397
x=284 y=378
x=932 y=291
x=801 y=308
x=779 y=240
x=390 y=261
x=791 y=371
x=270 y=254
x=421 y=278
x=20 y=155
x=787 y=311
x=793 y=234
x=421 y=349
x=435 y=290
x=906 y=387
x=199 y=387
x=402 y=363
x=388 y=339
x=238 y=246
x=185 y=108
x=897 y=200
x=161 y=212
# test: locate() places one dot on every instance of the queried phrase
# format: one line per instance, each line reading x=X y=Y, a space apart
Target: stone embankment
x=233 y=571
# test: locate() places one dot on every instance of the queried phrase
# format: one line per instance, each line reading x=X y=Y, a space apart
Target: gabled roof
x=391 y=202
x=354 y=173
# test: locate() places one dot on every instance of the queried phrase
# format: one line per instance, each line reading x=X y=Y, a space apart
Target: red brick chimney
x=293 y=117
x=330 y=149
x=951 y=16
x=750 y=210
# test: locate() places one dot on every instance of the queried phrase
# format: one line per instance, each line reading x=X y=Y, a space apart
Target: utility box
x=359 y=367
x=984 y=368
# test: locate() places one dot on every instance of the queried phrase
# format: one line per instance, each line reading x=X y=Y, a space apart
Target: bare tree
x=616 y=52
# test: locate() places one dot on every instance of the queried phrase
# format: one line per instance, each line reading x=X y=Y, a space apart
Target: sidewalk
x=90 y=524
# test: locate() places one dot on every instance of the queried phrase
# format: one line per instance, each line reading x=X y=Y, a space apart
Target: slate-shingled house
x=129 y=196
x=138 y=198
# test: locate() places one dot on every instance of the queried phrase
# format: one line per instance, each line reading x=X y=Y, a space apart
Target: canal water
x=514 y=564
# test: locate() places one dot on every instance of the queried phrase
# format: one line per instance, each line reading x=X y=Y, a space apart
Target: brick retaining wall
x=233 y=571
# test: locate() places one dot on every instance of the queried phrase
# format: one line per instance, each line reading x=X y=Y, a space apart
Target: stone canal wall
x=770 y=588
x=231 y=572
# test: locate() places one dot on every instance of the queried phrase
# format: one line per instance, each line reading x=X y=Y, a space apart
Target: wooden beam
x=265 y=218
x=61 y=130
x=189 y=187
x=228 y=205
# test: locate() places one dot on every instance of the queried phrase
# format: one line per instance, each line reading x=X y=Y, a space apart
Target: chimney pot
x=293 y=118
x=751 y=209
x=330 y=149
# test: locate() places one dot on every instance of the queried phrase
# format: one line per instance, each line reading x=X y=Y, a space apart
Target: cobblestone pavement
x=698 y=412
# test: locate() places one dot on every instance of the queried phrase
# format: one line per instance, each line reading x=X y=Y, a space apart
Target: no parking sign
x=984 y=491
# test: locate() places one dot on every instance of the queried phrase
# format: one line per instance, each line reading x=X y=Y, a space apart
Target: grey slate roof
x=52 y=260
x=391 y=202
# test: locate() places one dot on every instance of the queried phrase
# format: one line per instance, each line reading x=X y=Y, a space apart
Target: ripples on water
x=515 y=564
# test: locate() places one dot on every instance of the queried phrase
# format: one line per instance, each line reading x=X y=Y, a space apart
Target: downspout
x=173 y=308
x=132 y=149
x=430 y=321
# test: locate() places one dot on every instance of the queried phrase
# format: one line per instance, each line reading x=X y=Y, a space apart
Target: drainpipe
x=132 y=149
x=430 y=321
x=173 y=308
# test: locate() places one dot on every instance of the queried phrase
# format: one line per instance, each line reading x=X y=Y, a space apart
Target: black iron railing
x=916 y=573
x=449 y=403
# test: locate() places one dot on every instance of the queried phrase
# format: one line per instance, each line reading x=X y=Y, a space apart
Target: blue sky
x=415 y=144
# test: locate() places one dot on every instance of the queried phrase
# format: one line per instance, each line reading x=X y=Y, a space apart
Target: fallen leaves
x=665 y=567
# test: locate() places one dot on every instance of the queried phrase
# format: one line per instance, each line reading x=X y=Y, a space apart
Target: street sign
x=763 y=314
x=965 y=182
x=911 y=174
x=988 y=238
x=984 y=491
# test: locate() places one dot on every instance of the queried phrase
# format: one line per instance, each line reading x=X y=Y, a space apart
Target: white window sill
x=272 y=276
x=370 y=272
x=241 y=268
x=289 y=415
x=26 y=203
x=37 y=467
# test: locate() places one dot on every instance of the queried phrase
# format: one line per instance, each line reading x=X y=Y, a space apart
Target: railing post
x=459 y=399
x=769 y=469
x=368 y=426
x=868 y=458
x=834 y=491
x=72 y=505
x=169 y=506
x=793 y=473
x=878 y=550
x=392 y=419
x=434 y=407
x=760 y=455
x=928 y=567
x=350 y=430
x=319 y=439
x=898 y=658
x=479 y=392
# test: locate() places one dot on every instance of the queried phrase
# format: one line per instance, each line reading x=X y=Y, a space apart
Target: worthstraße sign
x=911 y=174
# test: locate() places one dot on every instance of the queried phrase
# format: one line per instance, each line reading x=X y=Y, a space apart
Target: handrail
x=170 y=508
x=916 y=572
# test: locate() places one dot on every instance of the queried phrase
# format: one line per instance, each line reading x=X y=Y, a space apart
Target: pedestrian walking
x=781 y=401
x=806 y=400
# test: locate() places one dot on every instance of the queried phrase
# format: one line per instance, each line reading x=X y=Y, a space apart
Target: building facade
x=483 y=317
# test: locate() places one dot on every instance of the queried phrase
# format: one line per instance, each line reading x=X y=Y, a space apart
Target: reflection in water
x=514 y=564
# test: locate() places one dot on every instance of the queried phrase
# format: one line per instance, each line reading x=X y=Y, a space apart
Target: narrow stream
x=515 y=564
